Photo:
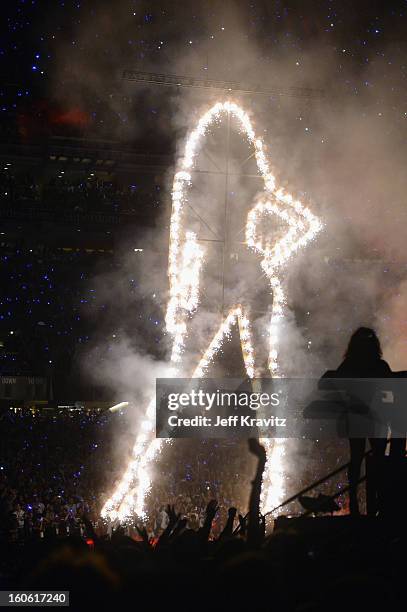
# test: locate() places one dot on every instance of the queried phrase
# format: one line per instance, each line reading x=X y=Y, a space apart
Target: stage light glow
x=118 y=406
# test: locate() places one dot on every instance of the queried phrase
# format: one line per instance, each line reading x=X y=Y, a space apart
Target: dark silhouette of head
x=364 y=345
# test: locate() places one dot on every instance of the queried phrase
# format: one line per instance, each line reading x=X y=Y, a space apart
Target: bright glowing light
x=118 y=407
x=184 y=265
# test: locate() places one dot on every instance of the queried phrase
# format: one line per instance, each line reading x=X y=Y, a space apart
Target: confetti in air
x=184 y=266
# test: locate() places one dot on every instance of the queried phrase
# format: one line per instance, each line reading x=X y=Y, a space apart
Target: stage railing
x=315 y=484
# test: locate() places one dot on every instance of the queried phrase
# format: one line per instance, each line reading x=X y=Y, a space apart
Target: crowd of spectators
x=43 y=308
x=195 y=562
x=55 y=466
x=78 y=193
x=190 y=473
x=54 y=304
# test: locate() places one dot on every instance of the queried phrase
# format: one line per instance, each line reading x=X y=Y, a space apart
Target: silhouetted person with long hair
x=362 y=359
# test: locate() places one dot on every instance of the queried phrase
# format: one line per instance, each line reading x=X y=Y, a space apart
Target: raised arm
x=255 y=531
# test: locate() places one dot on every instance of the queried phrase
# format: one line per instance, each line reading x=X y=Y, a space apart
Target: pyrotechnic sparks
x=184 y=285
x=184 y=266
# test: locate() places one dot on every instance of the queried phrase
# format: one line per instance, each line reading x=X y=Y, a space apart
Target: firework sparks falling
x=184 y=266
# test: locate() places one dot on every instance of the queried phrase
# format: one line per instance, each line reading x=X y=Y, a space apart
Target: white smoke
x=344 y=154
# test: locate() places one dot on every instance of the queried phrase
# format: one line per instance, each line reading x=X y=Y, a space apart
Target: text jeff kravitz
x=230 y=421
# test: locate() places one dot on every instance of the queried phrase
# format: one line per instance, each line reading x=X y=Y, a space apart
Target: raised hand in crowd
x=228 y=528
x=255 y=529
x=242 y=525
x=173 y=519
x=210 y=513
x=179 y=528
x=142 y=531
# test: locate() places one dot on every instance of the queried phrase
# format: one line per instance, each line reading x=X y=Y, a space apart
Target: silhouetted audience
x=189 y=568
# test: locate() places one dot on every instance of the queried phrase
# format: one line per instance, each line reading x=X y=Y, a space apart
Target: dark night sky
x=45 y=45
